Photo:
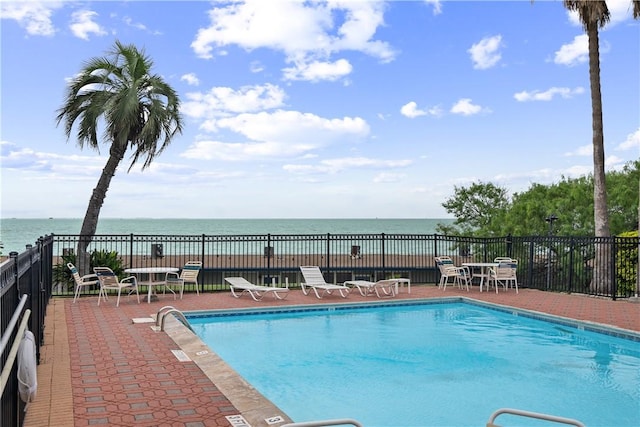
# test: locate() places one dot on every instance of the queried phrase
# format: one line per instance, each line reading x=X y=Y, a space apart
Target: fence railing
x=597 y=266
x=24 y=277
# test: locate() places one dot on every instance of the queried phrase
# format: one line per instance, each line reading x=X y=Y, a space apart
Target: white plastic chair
x=81 y=281
x=189 y=274
x=448 y=270
x=109 y=281
x=505 y=273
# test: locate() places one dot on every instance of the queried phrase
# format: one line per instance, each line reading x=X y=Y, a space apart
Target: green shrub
x=627 y=266
x=63 y=277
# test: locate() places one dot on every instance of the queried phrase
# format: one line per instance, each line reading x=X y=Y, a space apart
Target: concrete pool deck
x=98 y=367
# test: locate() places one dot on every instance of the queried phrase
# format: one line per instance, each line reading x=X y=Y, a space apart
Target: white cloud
x=294 y=127
x=307 y=33
x=34 y=17
x=467 y=108
x=584 y=150
x=412 y=111
x=82 y=24
x=384 y=177
x=246 y=151
x=437 y=6
x=191 y=79
x=632 y=141
x=485 y=54
x=281 y=134
x=573 y=53
x=331 y=166
x=222 y=101
x=549 y=94
x=316 y=71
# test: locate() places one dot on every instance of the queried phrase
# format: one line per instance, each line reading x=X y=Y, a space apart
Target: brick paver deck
x=99 y=368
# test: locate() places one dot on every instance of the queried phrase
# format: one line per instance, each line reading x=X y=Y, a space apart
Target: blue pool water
x=431 y=364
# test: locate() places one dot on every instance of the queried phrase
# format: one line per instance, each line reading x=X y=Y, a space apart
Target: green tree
x=477 y=209
x=484 y=209
x=138 y=110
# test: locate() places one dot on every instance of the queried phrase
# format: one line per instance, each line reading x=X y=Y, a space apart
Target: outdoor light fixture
x=550 y=219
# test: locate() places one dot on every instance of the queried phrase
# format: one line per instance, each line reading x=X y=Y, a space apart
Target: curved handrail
x=528 y=414
x=160 y=315
x=179 y=316
x=321 y=423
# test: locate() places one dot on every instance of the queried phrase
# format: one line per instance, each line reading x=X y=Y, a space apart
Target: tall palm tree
x=138 y=110
x=593 y=15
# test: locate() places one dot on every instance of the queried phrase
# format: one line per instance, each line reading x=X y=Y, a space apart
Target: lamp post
x=550 y=219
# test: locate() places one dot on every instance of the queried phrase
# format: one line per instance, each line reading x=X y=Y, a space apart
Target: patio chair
x=109 y=281
x=189 y=274
x=314 y=280
x=382 y=288
x=505 y=274
x=448 y=270
x=81 y=281
x=256 y=292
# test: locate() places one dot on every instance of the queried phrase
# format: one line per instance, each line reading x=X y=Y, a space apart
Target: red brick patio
x=99 y=368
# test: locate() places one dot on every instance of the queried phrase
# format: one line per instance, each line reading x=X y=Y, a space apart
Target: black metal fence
x=27 y=274
x=597 y=266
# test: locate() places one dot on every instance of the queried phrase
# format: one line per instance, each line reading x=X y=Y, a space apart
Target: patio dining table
x=151 y=271
x=484 y=271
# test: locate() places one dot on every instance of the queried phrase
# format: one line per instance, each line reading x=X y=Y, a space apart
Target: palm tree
x=137 y=109
x=593 y=15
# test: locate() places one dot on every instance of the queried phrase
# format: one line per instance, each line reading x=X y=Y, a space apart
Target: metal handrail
x=12 y=323
x=6 y=370
x=160 y=315
x=321 y=423
x=179 y=316
x=529 y=414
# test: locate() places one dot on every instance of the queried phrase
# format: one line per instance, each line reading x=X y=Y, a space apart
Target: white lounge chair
x=382 y=288
x=314 y=280
x=256 y=292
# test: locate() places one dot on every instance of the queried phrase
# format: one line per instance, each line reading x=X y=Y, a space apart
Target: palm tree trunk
x=601 y=281
x=90 y=222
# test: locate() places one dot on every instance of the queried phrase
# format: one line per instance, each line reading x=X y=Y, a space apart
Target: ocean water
x=15 y=233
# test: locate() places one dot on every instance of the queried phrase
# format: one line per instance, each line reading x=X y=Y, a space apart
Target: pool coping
x=258 y=410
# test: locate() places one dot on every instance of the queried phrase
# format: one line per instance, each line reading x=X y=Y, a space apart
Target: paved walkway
x=100 y=368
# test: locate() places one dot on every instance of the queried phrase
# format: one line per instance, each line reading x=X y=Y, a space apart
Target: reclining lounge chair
x=256 y=292
x=314 y=280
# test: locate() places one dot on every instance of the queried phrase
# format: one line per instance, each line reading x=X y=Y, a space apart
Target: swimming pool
x=427 y=364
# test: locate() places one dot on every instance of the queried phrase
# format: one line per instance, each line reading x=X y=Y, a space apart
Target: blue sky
x=340 y=109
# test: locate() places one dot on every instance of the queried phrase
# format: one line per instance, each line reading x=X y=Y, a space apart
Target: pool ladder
x=161 y=315
x=528 y=414
x=322 y=423
x=490 y=423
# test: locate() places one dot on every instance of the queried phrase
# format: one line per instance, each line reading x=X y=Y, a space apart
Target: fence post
x=384 y=269
x=131 y=250
x=614 y=249
x=571 y=260
x=328 y=251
